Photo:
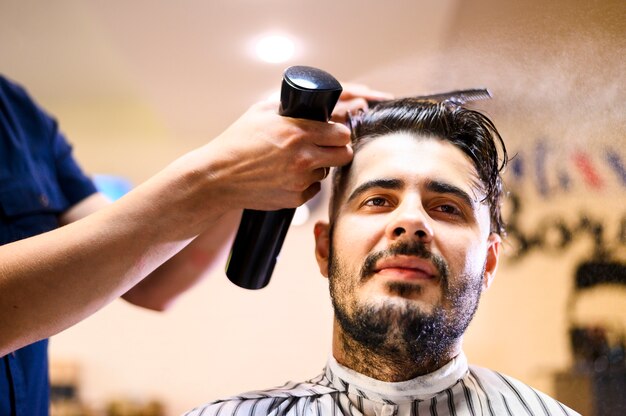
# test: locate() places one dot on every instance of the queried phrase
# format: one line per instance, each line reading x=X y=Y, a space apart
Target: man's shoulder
x=509 y=393
x=264 y=402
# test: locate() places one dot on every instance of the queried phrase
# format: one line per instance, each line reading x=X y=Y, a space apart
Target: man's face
x=410 y=250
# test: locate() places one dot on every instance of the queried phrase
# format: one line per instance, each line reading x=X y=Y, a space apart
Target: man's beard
x=398 y=329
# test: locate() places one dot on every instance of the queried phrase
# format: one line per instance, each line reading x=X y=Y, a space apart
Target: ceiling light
x=274 y=48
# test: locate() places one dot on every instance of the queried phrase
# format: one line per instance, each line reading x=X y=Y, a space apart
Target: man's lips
x=410 y=267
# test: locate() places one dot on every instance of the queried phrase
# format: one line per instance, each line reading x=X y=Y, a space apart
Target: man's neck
x=386 y=364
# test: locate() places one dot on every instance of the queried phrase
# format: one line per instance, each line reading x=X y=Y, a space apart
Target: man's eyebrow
x=446 y=188
x=376 y=183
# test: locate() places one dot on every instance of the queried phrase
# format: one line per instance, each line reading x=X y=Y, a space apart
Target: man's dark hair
x=470 y=131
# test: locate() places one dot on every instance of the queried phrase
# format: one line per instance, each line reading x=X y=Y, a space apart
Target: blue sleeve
x=39 y=177
x=73 y=182
x=46 y=153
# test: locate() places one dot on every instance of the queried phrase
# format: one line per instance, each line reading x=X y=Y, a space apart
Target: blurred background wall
x=136 y=84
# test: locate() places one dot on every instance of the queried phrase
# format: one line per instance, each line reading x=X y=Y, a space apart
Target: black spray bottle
x=308 y=93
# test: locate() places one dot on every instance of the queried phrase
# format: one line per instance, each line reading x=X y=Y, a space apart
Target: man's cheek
x=473 y=260
x=459 y=257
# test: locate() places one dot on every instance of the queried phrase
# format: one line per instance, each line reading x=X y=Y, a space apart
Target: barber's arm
x=161 y=287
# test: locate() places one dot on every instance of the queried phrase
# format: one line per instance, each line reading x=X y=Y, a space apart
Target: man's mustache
x=405 y=248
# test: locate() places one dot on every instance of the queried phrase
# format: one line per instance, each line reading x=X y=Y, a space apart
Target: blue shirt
x=39 y=179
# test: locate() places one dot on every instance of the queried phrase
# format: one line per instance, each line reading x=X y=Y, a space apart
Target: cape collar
x=419 y=388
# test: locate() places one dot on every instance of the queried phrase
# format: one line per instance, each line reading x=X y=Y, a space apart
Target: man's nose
x=410 y=221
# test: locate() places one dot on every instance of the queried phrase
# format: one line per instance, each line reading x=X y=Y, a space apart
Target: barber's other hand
x=266 y=161
x=354 y=98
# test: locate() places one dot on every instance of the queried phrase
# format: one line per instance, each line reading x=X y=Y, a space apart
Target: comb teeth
x=458 y=97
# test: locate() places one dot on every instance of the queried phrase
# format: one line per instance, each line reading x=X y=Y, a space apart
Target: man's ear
x=494 y=243
x=322 y=245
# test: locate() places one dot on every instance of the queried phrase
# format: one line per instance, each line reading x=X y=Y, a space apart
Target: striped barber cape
x=455 y=389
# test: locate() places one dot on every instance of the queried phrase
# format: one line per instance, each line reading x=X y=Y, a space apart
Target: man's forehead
x=413 y=157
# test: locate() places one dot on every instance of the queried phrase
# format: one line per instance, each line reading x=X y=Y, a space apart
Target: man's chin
x=401 y=304
x=398 y=308
x=391 y=325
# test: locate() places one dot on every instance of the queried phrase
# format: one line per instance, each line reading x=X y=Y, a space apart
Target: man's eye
x=376 y=202
x=448 y=209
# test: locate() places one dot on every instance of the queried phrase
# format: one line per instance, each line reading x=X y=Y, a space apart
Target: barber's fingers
x=296 y=198
x=352 y=106
x=354 y=98
x=326 y=156
x=321 y=133
x=320 y=174
x=310 y=192
x=352 y=90
x=313 y=165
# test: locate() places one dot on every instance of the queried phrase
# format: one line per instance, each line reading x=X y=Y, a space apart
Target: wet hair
x=469 y=130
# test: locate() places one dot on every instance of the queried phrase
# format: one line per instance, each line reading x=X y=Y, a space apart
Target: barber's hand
x=354 y=98
x=267 y=161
